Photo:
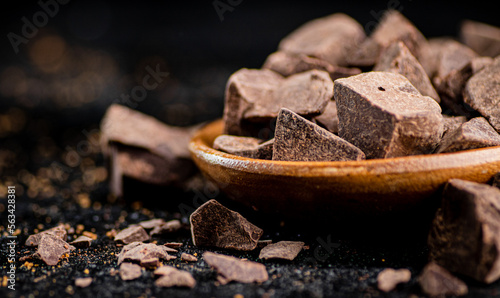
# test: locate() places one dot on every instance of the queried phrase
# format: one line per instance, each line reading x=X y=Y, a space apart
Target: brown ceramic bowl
x=352 y=191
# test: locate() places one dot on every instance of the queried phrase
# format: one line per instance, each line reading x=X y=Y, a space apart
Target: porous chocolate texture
x=384 y=115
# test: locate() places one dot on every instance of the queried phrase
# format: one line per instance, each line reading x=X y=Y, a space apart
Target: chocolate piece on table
x=254 y=97
x=329 y=119
x=481 y=37
x=142 y=251
x=392 y=27
x=152 y=223
x=234 y=269
x=473 y=134
x=132 y=234
x=215 y=225
x=482 y=93
x=129 y=271
x=188 y=257
x=287 y=64
x=150 y=263
x=478 y=63
x=384 y=115
x=173 y=244
x=464 y=236
x=83 y=282
x=244 y=146
x=50 y=249
x=173 y=277
x=389 y=278
x=82 y=241
x=330 y=38
x=285 y=250
x=57 y=231
x=170 y=226
x=398 y=59
x=298 y=139
x=436 y=281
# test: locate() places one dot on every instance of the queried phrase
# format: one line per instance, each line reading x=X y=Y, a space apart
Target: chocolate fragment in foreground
x=482 y=93
x=481 y=37
x=215 y=225
x=254 y=97
x=132 y=234
x=330 y=38
x=188 y=257
x=129 y=271
x=398 y=59
x=50 y=249
x=83 y=282
x=170 y=226
x=464 y=237
x=473 y=134
x=384 y=115
x=286 y=250
x=137 y=252
x=57 y=231
x=329 y=119
x=436 y=281
x=389 y=278
x=392 y=27
x=244 y=146
x=298 y=139
x=234 y=269
x=82 y=241
x=287 y=64
x=173 y=277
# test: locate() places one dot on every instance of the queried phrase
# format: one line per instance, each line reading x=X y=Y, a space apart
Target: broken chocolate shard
x=51 y=248
x=298 y=139
x=330 y=38
x=188 y=257
x=384 y=115
x=398 y=59
x=392 y=27
x=463 y=238
x=215 y=225
x=287 y=64
x=234 y=269
x=173 y=277
x=129 y=271
x=142 y=251
x=285 y=250
x=389 y=278
x=482 y=38
x=436 y=281
x=473 y=134
x=57 y=231
x=132 y=234
x=83 y=282
x=171 y=226
x=244 y=146
x=329 y=119
x=173 y=244
x=82 y=241
x=150 y=263
x=152 y=223
x=482 y=93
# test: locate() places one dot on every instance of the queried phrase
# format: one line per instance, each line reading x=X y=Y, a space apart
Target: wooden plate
x=352 y=191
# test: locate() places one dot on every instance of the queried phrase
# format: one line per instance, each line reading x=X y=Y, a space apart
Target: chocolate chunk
x=152 y=223
x=287 y=64
x=436 y=281
x=172 y=277
x=188 y=258
x=215 y=225
x=464 y=237
x=329 y=119
x=171 y=226
x=286 y=250
x=384 y=115
x=481 y=37
x=234 y=269
x=150 y=263
x=392 y=27
x=478 y=63
x=244 y=146
x=298 y=139
x=398 y=59
x=129 y=271
x=83 y=282
x=136 y=252
x=82 y=241
x=173 y=244
x=51 y=248
x=389 y=278
x=57 y=231
x=132 y=234
x=330 y=38
x=473 y=134
x=256 y=96
x=482 y=93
